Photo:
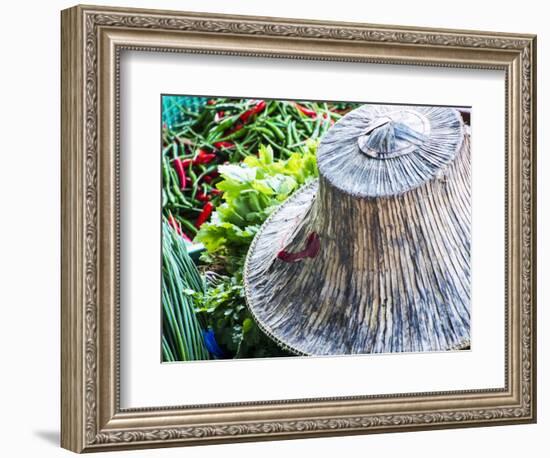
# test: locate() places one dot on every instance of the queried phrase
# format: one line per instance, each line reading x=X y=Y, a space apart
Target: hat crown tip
x=394 y=134
x=386 y=150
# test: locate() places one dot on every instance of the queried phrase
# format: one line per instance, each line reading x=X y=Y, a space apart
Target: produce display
x=225 y=167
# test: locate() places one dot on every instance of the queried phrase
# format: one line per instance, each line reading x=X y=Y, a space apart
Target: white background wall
x=29 y=228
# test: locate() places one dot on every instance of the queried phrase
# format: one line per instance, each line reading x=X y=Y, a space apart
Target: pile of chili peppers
x=226 y=131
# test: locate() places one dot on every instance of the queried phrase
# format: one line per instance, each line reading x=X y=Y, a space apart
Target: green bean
x=176 y=188
x=206 y=171
x=250 y=138
x=272 y=105
x=278 y=132
x=265 y=131
x=225 y=124
x=237 y=134
x=171 y=198
x=240 y=150
x=182 y=206
x=174 y=150
x=283 y=108
x=165 y=173
x=289 y=137
x=315 y=132
x=275 y=145
x=296 y=145
x=182 y=125
x=167 y=149
x=224 y=106
x=295 y=132
x=192 y=174
x=197 y=135
x=306 y=123
x=187 y=224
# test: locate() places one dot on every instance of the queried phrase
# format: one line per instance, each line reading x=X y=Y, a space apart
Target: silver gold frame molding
x=92 y=40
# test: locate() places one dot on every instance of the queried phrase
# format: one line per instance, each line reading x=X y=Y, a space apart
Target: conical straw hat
x=374 y=256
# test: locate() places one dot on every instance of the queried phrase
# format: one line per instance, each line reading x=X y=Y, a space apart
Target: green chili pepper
x=272 y=105
x=274 y=128
x=206 y=171
x=289 y=137
x=275 y=145
x=226 y=124
x=265 y=131
x=176 y=188
x=171 y=198
x=192 y=174
x=225 y=106
x=237 y=134
x=315 y=132
x=295 y=134
x=188 y=225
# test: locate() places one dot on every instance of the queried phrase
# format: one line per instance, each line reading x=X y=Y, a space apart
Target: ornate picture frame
x=92 y=41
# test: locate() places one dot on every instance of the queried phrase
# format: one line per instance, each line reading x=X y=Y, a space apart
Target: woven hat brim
x=270 y=239
x=268 y=242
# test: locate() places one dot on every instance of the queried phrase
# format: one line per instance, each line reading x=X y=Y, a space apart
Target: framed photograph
x=278 y=228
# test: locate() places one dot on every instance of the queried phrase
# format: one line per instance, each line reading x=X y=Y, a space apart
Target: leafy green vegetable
x=251 y=191
x=223 y=307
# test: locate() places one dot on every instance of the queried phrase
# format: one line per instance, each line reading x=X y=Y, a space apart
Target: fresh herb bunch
x=236 y=333
x=251 y=191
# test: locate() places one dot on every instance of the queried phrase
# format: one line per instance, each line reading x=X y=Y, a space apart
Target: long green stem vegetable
x=182 y=334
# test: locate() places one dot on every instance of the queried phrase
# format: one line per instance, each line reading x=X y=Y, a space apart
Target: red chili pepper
x=215 y=192
x=313 y=245
x=173 y=223
x=204 y=158
x=180 y=170
x=201 y=196
x=205 y=214
x=207 y=179
x=224 y=145
x=235 y=128
x=177 y=227
x=325 y=116
x=211 y=102
x=305 y=110
x=258 y=108
x=247 y=114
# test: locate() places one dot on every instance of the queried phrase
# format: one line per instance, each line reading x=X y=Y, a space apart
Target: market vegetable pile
x=225 y=168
